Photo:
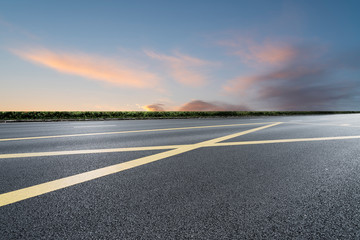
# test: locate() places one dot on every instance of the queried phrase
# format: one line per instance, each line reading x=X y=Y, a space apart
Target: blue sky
x=179 y=55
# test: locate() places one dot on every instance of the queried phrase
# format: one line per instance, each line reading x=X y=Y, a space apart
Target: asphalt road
x=238 y=178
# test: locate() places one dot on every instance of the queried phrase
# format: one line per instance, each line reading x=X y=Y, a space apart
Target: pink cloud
x=267 y=52
x=287 y=62
x=157 y=107
x=239 y=84
x=185 y=69
x=198 y=105
x=91 y=67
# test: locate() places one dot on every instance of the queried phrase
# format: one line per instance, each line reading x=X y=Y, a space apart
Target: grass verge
x=60 y=116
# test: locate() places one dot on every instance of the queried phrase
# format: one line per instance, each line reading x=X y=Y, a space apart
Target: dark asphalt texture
x=302 y=190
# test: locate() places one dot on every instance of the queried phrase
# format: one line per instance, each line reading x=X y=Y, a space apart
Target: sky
x=163 y=55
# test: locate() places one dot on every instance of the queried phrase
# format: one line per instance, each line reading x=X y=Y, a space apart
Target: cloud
x=158 y=107
x=291 y=97
x=267 y=52
x=239 y=84
x=16 y=29
x=289 y=73
x=185 y=69
x=198 y=105
x=91 y=67
x=309 y=81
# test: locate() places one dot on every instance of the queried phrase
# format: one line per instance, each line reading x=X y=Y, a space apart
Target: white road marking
x=95 y=126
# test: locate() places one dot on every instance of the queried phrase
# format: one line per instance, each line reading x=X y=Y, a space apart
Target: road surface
x=292 y=177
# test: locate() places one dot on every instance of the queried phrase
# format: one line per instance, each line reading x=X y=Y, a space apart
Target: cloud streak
x=184 y=69
x=91 y=67
x=267 y=52
x=15 y=29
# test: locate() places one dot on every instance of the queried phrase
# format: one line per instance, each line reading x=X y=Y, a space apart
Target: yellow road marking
x=132 y=131
x=220 y=139
x=73 y=152
x=36 y=190
x=282 y=141
x=210 y=143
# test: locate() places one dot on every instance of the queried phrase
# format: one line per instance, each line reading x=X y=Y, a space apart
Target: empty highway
x=293 y=177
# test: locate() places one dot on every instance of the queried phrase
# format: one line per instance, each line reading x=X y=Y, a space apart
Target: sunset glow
x=168 y=56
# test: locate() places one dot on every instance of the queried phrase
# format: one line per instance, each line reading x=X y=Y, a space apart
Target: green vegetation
x=59 y=116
